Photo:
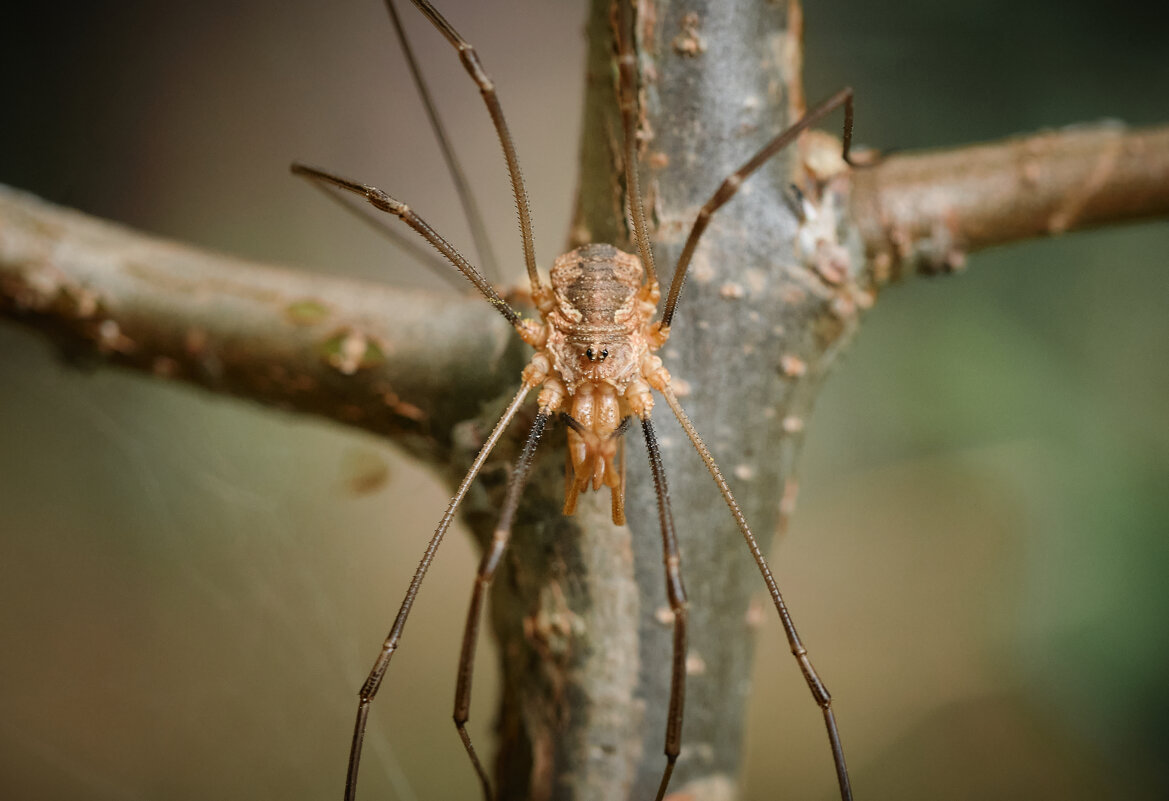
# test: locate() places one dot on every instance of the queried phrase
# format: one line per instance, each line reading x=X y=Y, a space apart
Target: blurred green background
x=192 y=588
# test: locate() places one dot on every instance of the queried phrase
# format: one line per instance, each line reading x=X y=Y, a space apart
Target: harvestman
x=595 y=367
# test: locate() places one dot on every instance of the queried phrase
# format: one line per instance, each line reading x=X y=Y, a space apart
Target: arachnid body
x=595 y=367
x=595 y=359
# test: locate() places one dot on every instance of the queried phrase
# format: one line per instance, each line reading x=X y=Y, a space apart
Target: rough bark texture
x=399 y=363
x=926 y=211
x=756 y=330
x=578 y=605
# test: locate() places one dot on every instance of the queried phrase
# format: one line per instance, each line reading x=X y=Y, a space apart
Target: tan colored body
x=595 y=360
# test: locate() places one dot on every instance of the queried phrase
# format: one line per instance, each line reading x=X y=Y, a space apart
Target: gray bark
x=756 y=331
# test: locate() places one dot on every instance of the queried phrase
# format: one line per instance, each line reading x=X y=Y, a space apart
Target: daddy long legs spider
x=596 y=368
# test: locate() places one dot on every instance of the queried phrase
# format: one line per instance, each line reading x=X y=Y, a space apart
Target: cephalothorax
x=595 y=366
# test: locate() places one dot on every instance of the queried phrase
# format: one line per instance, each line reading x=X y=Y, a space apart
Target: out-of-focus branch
x=926 y=211
x=405 y=364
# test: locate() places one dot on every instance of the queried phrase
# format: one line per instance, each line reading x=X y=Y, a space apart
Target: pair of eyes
x=592 y=355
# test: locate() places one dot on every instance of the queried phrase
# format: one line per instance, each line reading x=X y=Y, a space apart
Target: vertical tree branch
x=756 y=331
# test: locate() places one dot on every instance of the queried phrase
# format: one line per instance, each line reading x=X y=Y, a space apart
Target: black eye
x=589 y=354
x=604 y=354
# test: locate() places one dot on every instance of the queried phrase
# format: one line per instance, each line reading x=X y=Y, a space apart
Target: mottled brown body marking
x=595 y=361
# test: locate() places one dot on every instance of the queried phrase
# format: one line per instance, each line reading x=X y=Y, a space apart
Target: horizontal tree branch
x=409 y=364
x=925 y=211
x=405 y=364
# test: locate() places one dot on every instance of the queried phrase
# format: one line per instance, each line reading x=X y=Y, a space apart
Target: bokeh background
x=192 y=588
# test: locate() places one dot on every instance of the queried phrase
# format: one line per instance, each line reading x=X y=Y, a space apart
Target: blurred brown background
x=191 y=588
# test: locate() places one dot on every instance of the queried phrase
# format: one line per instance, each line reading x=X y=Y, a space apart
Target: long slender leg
x=731 y=185
x=383 y=202
x=378 y=224
x=474 y=68
x=627 y=89
x=819 y=691
x=462 y=189
x=370 y=687
x=676 y=593
x=487 y=567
